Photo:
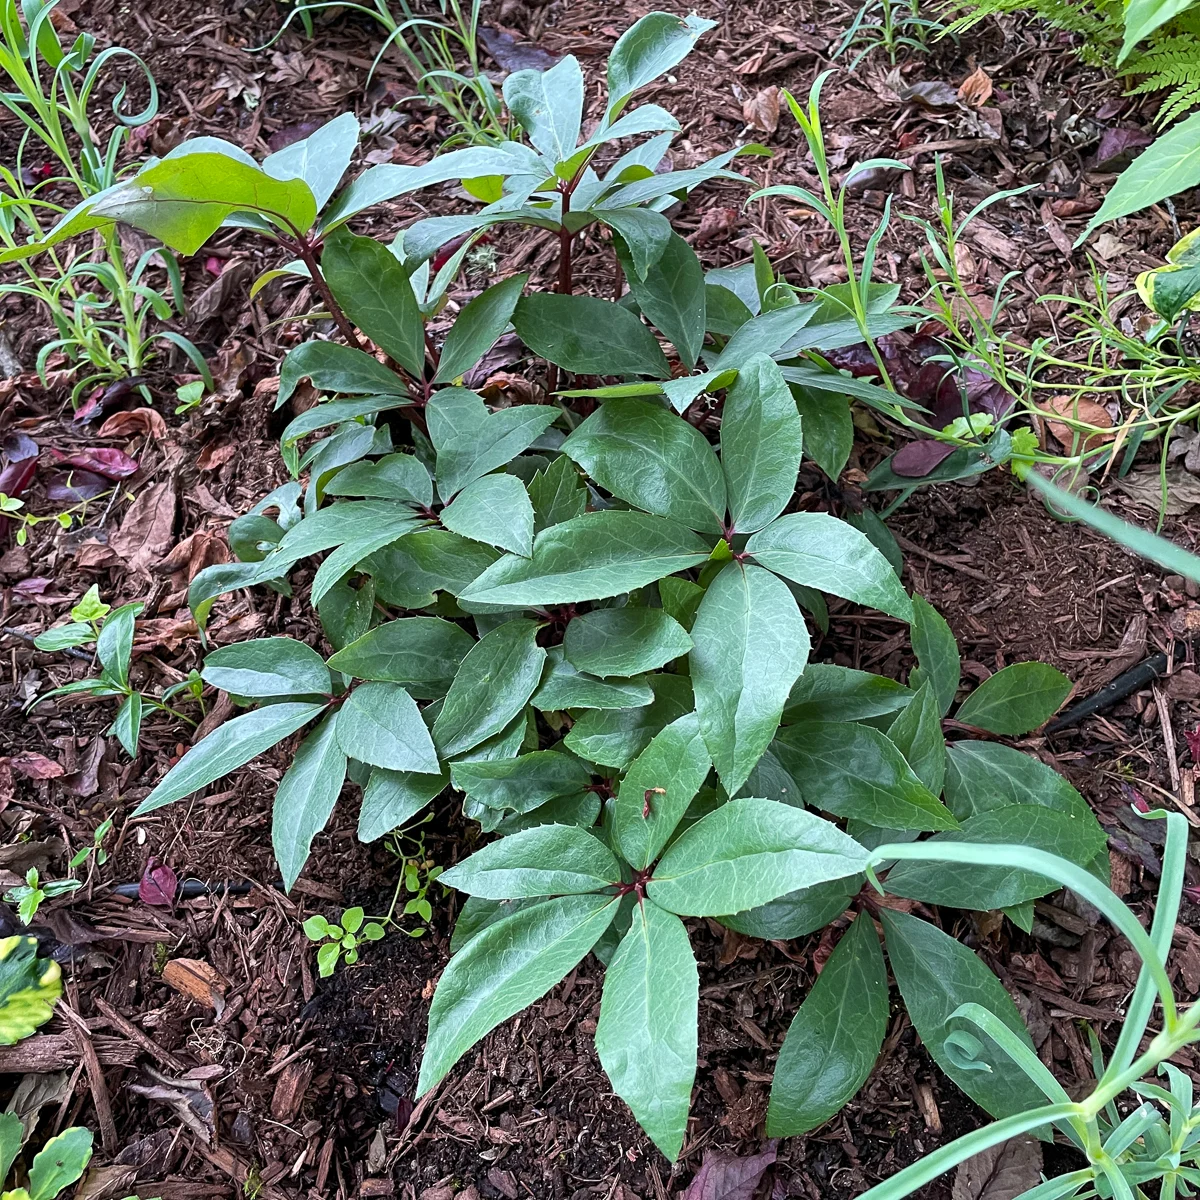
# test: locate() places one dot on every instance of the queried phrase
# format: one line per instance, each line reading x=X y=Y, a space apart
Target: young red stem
x=305 y=249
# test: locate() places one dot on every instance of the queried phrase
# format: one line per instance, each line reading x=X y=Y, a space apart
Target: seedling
x=344 y=939
x=28 y=897
x=96 y=848
x=189 y=396
x=419 y=873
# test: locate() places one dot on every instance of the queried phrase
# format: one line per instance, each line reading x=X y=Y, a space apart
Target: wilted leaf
x=762 y=110
x=1001 y=1172
x=976 y=89
x=1078 y=409
x=75 y=487
x=918 y=458
x=932 y=94
x=159 y=885
x=1117 y=147
x=101 y=460
x=724 y=1176
x=134 y=421
x=513 y=55
x=146 y=532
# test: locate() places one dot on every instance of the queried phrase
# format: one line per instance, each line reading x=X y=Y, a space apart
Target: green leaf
x=333 y=367
x=423 y=653
x=751 y=645
x=362 y=544
x=828 y=428
x=268 y=667
x=581 y=809
x=649 y=456
x=477 y=914
x=127 y=724
x=492 y=686
x=798 y=913
x=1076 y=838
x=471 y=442
x=614 y=738
x=228 y=747
x=12 y=1134
x=333 y=526
x=1015 y=700
x=936 y=651
x=557 y=493
x=647 y=1034
x=345 y=612
x=647 y=49
x=670 y=292
x=478 y=327
x=380 y=724
x=854 y=771
x=393 y=798
x=591 y=557
x=1170 y=165
x=725 y=312
x=764 y=334
x=820 y=551
x=936 y=975
x=327 y=959
x=320 y=159
x=835 y=1037
x=588 y=336
x=524 y=783
x=827 y=692
x=680 y=599
x=1143 y=17
x=115 y=643
x=393 y=477
x=64 y=637
x=564 y=687
x=551 y=860
x=624 y=641
x=408 y=572
x=60 y=1162
x=746 y=853
x=305 y=798
x=375 y=293
x=504 y=968
x=983 y=776
x=495 y=509
x=29 y=988
x=644 y=235
x=657 y=789
x=548 y=105
x=917 y=734
x=760 y=445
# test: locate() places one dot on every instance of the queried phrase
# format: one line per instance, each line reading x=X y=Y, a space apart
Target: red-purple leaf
x=724 y=1176
x=1117 y=147
x=105 y=397
x=17 y=476
x=100 y=460
x=159 y=885
x=18 y=446
x=75 y=487
x=918 y=458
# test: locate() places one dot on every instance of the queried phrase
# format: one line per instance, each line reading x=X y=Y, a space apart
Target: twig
x=942 y=560
x=96 y=1084
x=1164 y=719
x=134 y=1034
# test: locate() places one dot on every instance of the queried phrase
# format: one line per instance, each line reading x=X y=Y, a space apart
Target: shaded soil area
x=252 y=1076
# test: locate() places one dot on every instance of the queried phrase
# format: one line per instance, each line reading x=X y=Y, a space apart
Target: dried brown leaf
x=1078 y=409
x=1000 y=1173
x=761 y=111
x=976 y=89
x=147 y=531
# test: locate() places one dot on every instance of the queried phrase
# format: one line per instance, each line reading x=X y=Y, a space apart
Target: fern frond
x=1171 y=63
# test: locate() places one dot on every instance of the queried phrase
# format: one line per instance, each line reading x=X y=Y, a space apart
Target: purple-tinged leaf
x=104 y=398
x=18 y=447
x=512 y=55
x=159 y=885
x=724 y=1176
x=100 y=460
x=17 y=476
x=1117 y=147
x=75 y=487
x=918 y=458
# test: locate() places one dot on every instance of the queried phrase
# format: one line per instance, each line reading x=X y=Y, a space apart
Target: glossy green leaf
x=591 y=557
x=423 y=653
x=228 y=747
x=657 y=789
x=524 y=783
x=648 y=49
x=115 y=643
x=614 y=738
x=305 y=797
x=564 y=687
x=59 y=1163
x=983 y=776
x=827 y=692
x=763 y=334
x=393 y=798
x=646 y=1037
x=747 y=853
x=588 y=336
x=936 y=975
x=1076 y=838
x=644 y=233
x=751 y=644
x=557 y=493
x=478 y=327
x=12 y=1134
x=550 y=860
x=917 y=734
x=760 y=445
x=64 y=637
x=380 y=724
x=320 y=159
x=375 y=293
x=624 y=641
x=548 y=105
x=680 y=599
x=493 y=684
x=505 y=968
x=127 y=724
x=477 y=914
x=854 y=771
x=360 y=545
x=797 y=913
x=407 y=573
x=649 y=456
x=333 y=367
x=828 y=428
x=834 y=1038
x=268 y=667
x=820 y=551
x=937 y=653
x=393 y=477
x=495 y=509
x=1015 y=700
x=670 y=292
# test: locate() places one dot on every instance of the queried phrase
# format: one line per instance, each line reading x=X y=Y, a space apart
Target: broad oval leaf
x=917 y=734
x=615 y=738
x=380 y=724
x=59 y=1163
x=564 y=687
x=589 y=558
x=228 y=747
x=548 y=105
x=268 y=667
x=333 y=367
x=550 y=860
x=647 y=49
x=653 y=459
x=820 y=551
x=588 y=336
x=523 y=783
x=305 y=798
x=751 y=645
x=646 y=1037
x=798 y=913
x=505 y=968
x=983 y=776
x=320 y=159
x=1016 y=700
x=421 y=652
x=115 y=643
x=834 y=1038
x=657 y=789
x=624 y=641
x=827 y=692
x=393 y=798
x=644 y=235
x=393 y=477
x=495 y=509
x=671 y=294
x=747 y=853
x=492 y=686
x=477 y=328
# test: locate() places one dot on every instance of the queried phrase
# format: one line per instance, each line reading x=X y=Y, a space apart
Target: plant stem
x=305 y=249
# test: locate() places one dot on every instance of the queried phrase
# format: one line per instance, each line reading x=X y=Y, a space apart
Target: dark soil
x=275 y=1083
